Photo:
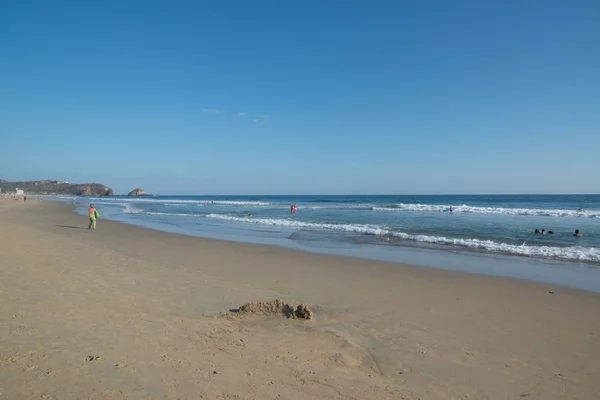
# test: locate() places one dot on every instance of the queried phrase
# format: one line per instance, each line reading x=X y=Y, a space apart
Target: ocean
x=488 y=234
x=503 y=224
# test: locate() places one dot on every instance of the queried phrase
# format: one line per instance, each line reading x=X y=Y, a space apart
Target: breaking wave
x=566 y=253
x=491 y=210
x=356 y=228
x=176 y=202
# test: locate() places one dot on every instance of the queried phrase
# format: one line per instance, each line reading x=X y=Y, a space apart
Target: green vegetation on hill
x=55 y=187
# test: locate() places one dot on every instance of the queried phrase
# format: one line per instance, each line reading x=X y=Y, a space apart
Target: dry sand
x=130 y=313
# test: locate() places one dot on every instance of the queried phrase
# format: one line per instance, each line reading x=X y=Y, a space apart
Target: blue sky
x=337 y=97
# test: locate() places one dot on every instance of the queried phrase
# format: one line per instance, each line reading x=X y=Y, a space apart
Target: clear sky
x=314 y=97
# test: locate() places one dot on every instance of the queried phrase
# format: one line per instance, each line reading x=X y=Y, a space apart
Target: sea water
x=478 y=224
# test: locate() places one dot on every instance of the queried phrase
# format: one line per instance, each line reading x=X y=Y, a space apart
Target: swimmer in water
x=450 y=209
x=577 y=234
x=543 y=231
x=537 y=231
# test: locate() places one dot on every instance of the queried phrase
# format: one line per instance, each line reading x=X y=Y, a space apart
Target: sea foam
x=575 y=253
x=356 y=228
x=490 y=210
x=183 y=202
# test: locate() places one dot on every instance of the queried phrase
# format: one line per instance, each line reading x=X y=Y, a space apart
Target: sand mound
x=276 y=307
x=302 y=311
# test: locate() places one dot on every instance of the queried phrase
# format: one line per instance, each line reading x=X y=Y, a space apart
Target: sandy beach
x=130 y=313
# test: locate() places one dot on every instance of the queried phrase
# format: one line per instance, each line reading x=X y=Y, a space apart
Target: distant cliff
x=56 y=187
x=138 y=192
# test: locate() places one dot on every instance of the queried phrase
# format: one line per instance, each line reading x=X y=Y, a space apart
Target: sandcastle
x=277 y=307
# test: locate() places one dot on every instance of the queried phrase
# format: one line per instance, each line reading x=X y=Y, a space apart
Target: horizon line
x=377 y=194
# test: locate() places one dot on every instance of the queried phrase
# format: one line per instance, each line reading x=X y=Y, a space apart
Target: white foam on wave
x=243 y=203
x=132 y=210
x=339 y=206
x=575 y=253
x=491 y=210
x=180 y=202
x=567 y=253
x=357 y=228
x=275 y=205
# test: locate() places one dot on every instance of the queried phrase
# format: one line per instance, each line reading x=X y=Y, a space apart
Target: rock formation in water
x=138 y=192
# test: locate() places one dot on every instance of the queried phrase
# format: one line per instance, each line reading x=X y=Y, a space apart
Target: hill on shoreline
x=47 y=187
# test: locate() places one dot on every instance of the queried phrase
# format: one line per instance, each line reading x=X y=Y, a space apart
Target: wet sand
x=130 y=313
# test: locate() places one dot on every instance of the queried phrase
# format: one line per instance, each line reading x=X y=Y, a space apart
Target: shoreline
x=577 y=275
x=151 y=310
x=358 y=229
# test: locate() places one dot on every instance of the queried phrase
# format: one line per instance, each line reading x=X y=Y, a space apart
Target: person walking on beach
x=93 y=213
